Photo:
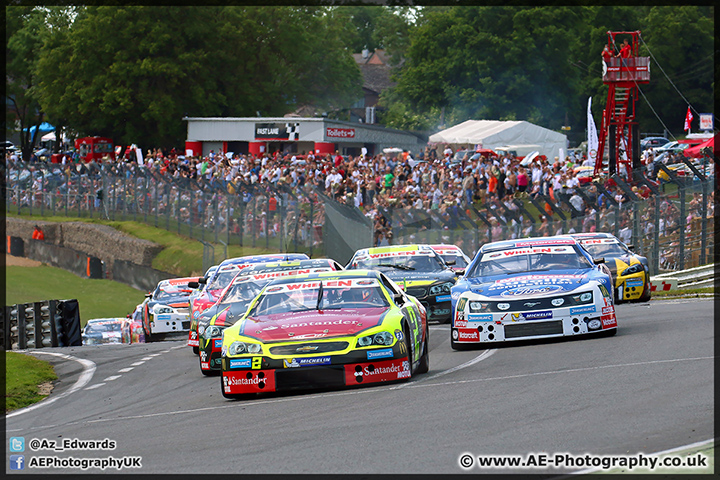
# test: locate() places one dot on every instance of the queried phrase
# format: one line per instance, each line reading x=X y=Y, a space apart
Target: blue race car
x=531 y=288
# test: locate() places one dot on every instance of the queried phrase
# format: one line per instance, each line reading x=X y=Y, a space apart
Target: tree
x=133 y=73
x=23 y=40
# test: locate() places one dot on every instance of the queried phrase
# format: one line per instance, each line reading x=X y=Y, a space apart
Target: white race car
x=529 y=289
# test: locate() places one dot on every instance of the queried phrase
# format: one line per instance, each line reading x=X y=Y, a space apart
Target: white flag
x=592 y=134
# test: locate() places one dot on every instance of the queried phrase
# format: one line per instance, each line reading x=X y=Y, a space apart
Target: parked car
x=652 y=142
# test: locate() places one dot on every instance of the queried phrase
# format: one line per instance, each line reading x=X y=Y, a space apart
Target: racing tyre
x=424 y=366
x=458 y=346
x=209 y=373
x=196 y=350
x=609 y=333
x=646 y=296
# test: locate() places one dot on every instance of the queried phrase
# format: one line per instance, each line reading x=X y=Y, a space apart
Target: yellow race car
x=629 y=270
x=344 y=328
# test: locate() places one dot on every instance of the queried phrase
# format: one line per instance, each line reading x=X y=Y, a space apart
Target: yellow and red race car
x=325 y=329
x=629 y=270
x=236 y=298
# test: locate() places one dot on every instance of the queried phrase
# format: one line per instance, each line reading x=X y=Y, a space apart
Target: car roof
x=529 y=242
x=328 y=275
x=397 y=248
x=300 y=264
x=264 y=258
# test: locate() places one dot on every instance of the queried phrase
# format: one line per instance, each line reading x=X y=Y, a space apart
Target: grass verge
x=23 y=376
x=97 y=298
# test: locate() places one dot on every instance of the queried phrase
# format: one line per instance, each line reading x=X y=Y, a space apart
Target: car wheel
x=424 y=366
x=209 y=373
x=609 y=333
x=457 y=345
x=407 y=341
x=196 y=350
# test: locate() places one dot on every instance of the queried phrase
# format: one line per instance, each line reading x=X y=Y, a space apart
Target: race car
x=235 y=300
x=531 y=289
x=132 y=327
x=325 y=329
x=453 y=256
x=196 y=292
x=219 y=279
x=102 y=330
x=166 y=309
x=630 y=272
x=418 y=270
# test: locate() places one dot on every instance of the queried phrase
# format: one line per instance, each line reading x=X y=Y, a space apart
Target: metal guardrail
x=697 y=277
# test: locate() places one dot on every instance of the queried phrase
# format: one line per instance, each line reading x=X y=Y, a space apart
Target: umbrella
x=696 y=151
x=44 y=128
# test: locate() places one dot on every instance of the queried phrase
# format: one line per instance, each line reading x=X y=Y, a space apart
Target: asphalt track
x=647 y=389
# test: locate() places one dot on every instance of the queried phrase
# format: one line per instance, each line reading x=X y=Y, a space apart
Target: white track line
x=85 y=377
x=136 y=364
x=482 y=356
x=664 y=452
x=125 y=370
x=111 y=378
x=93 y=387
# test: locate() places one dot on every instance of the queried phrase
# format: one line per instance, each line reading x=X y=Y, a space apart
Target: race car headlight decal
x=633 y=269
x=440 y=289
x=604 y=291
x=381 y=338
x=159 y=310
x=212 y=332
x=201 y=329
x=238 y=348
x=585 y=297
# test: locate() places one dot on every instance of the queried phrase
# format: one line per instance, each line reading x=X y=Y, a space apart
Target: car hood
x=623 y=261
x=529 y=284
x=312 y=324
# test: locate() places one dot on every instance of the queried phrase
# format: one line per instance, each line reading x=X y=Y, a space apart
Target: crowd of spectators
x=434 y=181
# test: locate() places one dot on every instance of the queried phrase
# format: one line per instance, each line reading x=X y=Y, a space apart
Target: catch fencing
x=265 y=216
x=673 y=227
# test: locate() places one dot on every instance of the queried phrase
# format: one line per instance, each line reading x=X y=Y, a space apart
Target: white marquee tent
x=521 y=136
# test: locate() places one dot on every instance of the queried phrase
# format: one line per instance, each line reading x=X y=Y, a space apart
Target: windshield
x=521 y=260
x=423 y=262
x=335 y=294
x=102 y=327
x=242 y=292
x=222 y=279
x=171 y=292
x=459 y=260
x=605 y=250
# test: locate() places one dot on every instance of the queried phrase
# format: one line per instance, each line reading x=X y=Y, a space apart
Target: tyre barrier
x=50 y=323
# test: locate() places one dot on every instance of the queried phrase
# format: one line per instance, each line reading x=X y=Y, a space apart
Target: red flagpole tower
x=619 y=129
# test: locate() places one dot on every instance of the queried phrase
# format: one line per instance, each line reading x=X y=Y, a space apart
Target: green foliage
x=540 y=64
x=23 y=42
x=132 y=73
x=23 y=374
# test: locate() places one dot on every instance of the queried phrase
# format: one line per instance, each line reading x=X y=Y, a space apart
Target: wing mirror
x=450 y=262
x=398 y=297
x=631 y=247
x=202 y=280
x=148 y=295
x=598 y=261
x=460 y=272
x=194 y=284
